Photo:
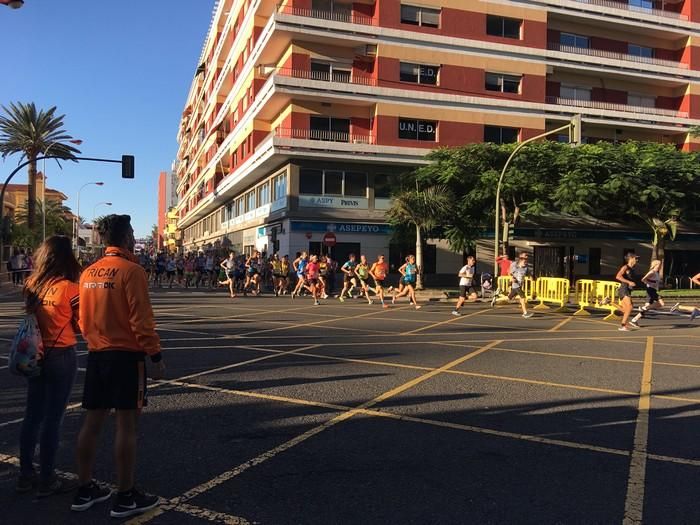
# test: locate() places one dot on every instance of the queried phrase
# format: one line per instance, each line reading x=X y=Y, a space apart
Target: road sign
x=329 y=239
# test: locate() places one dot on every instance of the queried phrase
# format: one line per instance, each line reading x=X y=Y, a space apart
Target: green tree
x=424 y=209
x=59 y=218
x=31 y=132
x=638 y=181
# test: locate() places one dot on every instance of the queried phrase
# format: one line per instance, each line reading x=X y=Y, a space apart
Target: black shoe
x=132 y=503
x=88 y=495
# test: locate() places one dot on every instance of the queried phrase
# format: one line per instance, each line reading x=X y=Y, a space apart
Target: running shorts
x=115 y=379
x=465 y=291
x=347 y=279
x=171 y=273
x=623 y=292
x=363 y=282
x=652 y=295
x=516 y=292
x=379 y=283
x=252 y=271
x=408 y=281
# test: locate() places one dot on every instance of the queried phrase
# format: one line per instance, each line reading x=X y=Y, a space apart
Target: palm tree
x=58 y=217
x=425 y=209
x=32 y=132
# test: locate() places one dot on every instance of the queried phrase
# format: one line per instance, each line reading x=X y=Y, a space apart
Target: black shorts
x=347 y=279
x=171 y=273
x=516 y=292
x=115 y=379
x=623 y=292
x=407 y=282
x=466 y=291
x=180 y=272
x=652 y=295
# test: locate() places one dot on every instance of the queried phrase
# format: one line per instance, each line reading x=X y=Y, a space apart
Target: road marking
x=561 y=323
x=440 y=323
x=634 y=501
x=573 y=356
x=230 y=474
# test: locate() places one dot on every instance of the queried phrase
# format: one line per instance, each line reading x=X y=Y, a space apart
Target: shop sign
x=322 y=201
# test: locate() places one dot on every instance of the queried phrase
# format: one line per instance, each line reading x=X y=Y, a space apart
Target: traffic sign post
x=329 y=239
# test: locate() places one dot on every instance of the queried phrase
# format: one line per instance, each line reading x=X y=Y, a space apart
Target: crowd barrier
x=552 y=290
x=504 y=286
x=596 y=294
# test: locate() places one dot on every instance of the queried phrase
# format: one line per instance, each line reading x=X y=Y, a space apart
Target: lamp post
x=574 y=129
x=77 y=142
x=77 y=220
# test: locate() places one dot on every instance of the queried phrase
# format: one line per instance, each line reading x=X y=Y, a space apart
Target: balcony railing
x=324 y=135
x=611 y=106
x=335 y=76
x=634 y=8
x=347 y=17
x=600 y=53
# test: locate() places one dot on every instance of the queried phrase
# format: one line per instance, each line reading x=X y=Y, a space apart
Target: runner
x=518 y=271
x=189 y=270
x=466 y=284
x=652 y=280
x=313 y=283
x=693 y=310
x=209 y=273
x=350 y=278
x=323 y=272
x=362 y=272
x=284 y=275
x=379 y=271
x=170 y=269
x=252 y=274
x=299 y=265
x=627 y=277
x=51 y=293
x=228 y=266
x=408 y=272
x=161 y=263
x=199 y=268
x=116 y=319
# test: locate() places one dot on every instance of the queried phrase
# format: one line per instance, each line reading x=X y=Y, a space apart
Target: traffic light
x=575 y=130
x=127 y=166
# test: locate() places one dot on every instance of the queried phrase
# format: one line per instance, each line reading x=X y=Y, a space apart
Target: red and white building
x=301 y=114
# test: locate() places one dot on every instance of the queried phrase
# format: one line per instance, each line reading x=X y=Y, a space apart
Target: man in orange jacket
x=116 y=319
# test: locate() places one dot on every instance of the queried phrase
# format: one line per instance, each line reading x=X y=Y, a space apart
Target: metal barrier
x=606 y=297
x=585 y=295
x=504 y=286
x=552 y=290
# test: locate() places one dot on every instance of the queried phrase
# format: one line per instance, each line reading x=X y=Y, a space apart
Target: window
x=419 y=73
x=575 y=93
x=645 y=101
x=333 y=183
x=502 y=83
x=571 y=40
x=329 y=128
x=311 y=182
x=643 y=4
x=640 y=51
x=503 y=27
x=417 y=129
x=382 y=187
x=281 y=186
x=355 y=184
x=264 y=194
x=250 y=201
x=327 y=71
x=239 y=207
x=420 y=16
x=500 y=135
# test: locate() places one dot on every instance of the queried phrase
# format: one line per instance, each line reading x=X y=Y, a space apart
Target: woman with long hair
x=51 y=293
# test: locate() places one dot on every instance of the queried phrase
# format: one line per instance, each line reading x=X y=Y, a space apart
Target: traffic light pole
x=574 y=129
x=127 y=162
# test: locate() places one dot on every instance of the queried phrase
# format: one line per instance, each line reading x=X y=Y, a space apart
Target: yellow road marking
x=573 y=356
x=634 y=501
x=222 y=478
x=440 y=323
x=561 y=323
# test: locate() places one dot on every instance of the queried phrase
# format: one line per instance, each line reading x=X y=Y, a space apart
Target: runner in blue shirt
x=409 y=273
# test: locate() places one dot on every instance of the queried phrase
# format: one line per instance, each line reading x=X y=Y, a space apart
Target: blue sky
x=120 y=72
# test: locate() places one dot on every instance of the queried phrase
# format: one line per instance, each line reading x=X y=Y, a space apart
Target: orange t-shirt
x=56 y=312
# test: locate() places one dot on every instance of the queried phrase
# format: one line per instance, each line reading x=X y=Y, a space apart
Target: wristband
x=157 y=358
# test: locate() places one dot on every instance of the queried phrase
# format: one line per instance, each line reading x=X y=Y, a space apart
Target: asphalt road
x=279 y=412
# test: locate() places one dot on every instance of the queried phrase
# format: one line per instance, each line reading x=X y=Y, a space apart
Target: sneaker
x=494 y=299
x=316 y=303
x=132 y=503
x=695 y=313
x=25 y=483
x=370 y=302
x=528 y=315
x=88 y=495
x=623 y=328
x=384 y=305
x=341 y=299
x=675 y=307
x=456 y=313
x=324 y=296
x=393 y=300
x=419 y=306
x=56 y=486
x=634 y=324
x=606 y=301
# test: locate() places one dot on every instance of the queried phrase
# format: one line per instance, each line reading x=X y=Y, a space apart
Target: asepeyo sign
x=322 y=201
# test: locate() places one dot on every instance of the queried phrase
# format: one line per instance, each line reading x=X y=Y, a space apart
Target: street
x=278 y=412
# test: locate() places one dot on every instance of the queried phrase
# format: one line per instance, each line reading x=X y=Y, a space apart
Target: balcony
x=344 y=16
x=324 y=135
x=610 y=106
x=600 y=53
x=634 y=8
x=335 y=76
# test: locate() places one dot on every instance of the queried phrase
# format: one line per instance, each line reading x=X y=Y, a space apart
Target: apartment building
x=302 y=115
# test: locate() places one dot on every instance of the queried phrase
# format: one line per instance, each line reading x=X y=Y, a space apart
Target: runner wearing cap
x=627 y=277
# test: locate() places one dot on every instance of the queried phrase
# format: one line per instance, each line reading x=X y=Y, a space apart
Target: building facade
x=302 y=115
x=167 y=216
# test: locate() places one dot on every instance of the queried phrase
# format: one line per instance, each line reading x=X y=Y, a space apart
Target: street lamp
x=105 y=203
x=77 y=212
x=77 y=142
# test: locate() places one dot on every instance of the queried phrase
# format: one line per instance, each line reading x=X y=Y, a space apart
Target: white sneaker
x=528 y=315
x=623 y=329
x=674 y=308
x=456 y=313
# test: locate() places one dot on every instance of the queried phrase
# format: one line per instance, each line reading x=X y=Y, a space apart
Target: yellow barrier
x=606 y=297
x=585 y=295
x=504 y=287
x=552 y=290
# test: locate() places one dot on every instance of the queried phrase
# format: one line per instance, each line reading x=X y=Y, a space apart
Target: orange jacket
x=56 y=313
x=115 y=309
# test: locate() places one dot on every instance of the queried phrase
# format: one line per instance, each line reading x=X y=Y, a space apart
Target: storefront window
x=355 y=184
x=310 y=182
